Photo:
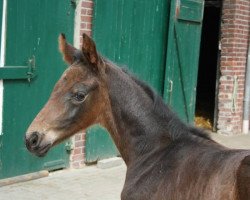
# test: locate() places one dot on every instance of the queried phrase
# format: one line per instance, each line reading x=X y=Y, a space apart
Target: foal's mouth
x=37 y=145
x=42 y=151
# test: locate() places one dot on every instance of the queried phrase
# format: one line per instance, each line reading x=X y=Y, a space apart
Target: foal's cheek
x=77 y=116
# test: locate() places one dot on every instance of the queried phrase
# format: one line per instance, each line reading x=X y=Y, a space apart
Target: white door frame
x=2 y=58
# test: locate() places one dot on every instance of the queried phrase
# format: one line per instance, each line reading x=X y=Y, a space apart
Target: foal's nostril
x=34 y=140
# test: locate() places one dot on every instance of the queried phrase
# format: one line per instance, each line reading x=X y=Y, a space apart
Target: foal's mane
x=176 y=128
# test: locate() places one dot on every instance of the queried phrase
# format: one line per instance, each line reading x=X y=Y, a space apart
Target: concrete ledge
x=23 y=178
x=109 y=163
x=233 y=141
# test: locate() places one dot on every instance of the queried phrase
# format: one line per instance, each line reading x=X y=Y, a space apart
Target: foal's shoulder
x=200 y=133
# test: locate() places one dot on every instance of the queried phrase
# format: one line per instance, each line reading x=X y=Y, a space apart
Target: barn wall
x=234 y=43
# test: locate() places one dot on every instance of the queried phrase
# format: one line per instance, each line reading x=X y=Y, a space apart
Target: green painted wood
x=32 y=30
x=20 y=72
x=191 y=11
x=15 y=72
x=133 y=34
x=183 y=56
x=100 y=139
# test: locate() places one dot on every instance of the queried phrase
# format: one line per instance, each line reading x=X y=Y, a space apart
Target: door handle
x=170 y=90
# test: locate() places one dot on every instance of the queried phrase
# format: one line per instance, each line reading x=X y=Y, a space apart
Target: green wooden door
x=134 y=34
x=32 y=30
x=183 y=56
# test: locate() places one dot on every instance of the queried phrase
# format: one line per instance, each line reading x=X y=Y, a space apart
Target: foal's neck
x=138 y=129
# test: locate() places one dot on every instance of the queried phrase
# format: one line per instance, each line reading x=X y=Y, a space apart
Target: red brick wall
x=86 y=16
x=234 y=43
x=83 y=20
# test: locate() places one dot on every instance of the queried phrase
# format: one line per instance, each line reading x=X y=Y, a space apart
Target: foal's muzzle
x=35 y=144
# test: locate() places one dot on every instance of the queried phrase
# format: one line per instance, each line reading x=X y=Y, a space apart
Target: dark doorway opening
x=206 y=109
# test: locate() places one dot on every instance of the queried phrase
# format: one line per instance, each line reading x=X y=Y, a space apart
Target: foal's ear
x=89 y=49
x=66 y=49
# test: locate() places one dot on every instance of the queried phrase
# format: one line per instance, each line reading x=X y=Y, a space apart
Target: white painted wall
x=77 y=25
x=2 y=58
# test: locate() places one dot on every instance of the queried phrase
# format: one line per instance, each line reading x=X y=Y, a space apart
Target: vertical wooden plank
x=183 y=56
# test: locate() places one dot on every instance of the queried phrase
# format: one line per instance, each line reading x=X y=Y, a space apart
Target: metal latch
x=170 y=91
x=69 y=146
x=19 y=72
x=31 y=68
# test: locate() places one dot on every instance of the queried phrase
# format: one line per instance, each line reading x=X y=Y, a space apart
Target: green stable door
x=182 y=59
x=157 y=40
x=32 y=29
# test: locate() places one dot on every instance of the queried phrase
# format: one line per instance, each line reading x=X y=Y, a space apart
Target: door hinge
x=19 y=72
x=69 y=146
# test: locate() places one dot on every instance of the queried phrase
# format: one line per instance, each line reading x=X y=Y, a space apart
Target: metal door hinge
x=19 y=72
x=69 y=146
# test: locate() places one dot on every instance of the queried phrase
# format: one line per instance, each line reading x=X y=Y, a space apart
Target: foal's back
x=188 y=169
x=207 y=171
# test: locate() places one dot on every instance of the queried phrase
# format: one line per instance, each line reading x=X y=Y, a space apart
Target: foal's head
x=77 y=101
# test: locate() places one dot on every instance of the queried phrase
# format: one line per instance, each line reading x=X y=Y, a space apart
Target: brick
x=77 y=151
x=77 y=137
x=83 y=11
x=83 y=25
x=89 y=26
x=79 y=143
x=87 y=4
x=86 y=19
x=77 y=157
x=90 y=12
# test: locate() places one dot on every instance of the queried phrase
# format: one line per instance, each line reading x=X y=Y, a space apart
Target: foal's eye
x=79 y=96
